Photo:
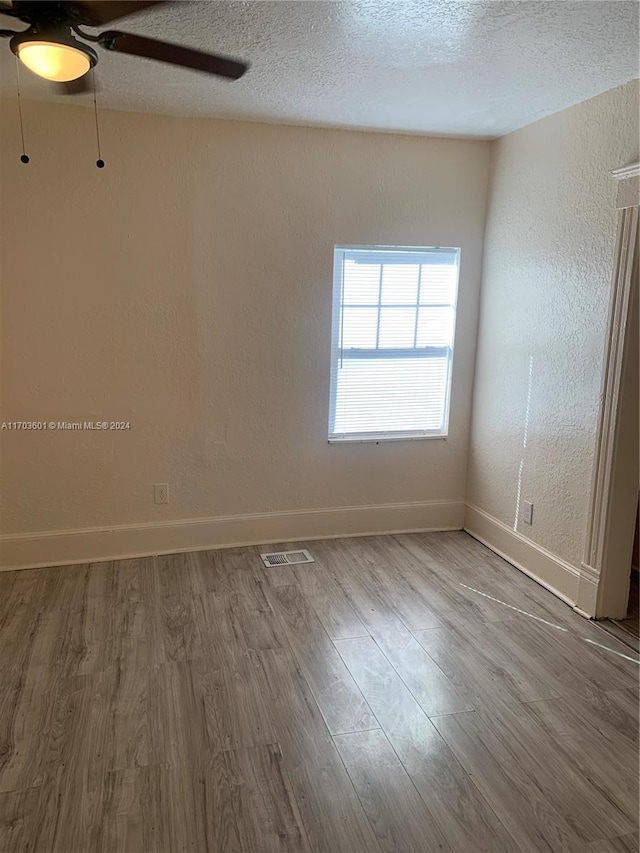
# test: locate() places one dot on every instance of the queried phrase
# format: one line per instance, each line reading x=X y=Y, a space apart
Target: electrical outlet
x=527 y=512
x=161 y=493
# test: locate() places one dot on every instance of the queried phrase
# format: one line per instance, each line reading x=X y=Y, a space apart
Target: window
x=392 y=342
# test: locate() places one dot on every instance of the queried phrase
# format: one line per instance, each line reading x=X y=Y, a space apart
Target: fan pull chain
x=24 y=158
x=99 y=161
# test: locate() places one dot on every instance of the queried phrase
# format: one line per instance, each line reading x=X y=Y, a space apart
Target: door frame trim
x=602 y=591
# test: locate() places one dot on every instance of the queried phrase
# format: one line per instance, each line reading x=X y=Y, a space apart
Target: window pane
x=435 y=327
x=438 y=283
x=397 y=326
x=359 y=327
x=361 y=283
x=390 y=395
x=392 y=341
x=400 y=284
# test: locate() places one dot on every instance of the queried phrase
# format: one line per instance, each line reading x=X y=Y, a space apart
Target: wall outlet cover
x=161 y=493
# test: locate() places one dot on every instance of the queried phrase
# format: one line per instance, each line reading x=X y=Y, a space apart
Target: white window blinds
x=392 y=342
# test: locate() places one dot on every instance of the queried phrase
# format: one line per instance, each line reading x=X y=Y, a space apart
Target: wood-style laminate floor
x=379 y=700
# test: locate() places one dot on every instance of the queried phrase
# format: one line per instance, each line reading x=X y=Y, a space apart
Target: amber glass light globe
x=54 y=61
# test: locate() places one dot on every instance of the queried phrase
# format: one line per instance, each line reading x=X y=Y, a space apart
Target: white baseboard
x=546 y=568
x=64 y=547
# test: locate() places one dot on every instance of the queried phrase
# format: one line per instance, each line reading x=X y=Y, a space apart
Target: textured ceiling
x=424 y=66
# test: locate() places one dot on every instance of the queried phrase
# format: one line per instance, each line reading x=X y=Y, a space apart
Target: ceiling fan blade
x=100 y=12
x=174 y=54
x=8 y=9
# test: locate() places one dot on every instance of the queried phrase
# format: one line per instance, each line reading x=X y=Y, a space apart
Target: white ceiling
x=422 y=66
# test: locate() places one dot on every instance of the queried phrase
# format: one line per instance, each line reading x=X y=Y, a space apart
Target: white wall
x=548 y=255
x=186 y=288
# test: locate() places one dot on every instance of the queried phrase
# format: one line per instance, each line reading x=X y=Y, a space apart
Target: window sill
x=385 y=438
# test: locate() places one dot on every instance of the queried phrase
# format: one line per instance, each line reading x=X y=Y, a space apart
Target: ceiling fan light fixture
x=60 y=59
x=50 y=50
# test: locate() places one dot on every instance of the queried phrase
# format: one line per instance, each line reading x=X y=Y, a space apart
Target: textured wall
x=186 y=288
x=548 y=255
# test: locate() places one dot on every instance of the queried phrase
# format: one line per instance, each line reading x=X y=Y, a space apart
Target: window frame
x=337 y=306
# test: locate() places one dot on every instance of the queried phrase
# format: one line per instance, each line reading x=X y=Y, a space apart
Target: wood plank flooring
x=373 y=701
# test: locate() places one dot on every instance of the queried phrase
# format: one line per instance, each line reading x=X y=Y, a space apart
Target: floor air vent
x=286 y=558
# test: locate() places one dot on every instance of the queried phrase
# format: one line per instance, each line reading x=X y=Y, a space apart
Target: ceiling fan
x=49 y=46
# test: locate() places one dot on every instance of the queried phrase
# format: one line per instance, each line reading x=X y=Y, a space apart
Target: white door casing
x=603 y=589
